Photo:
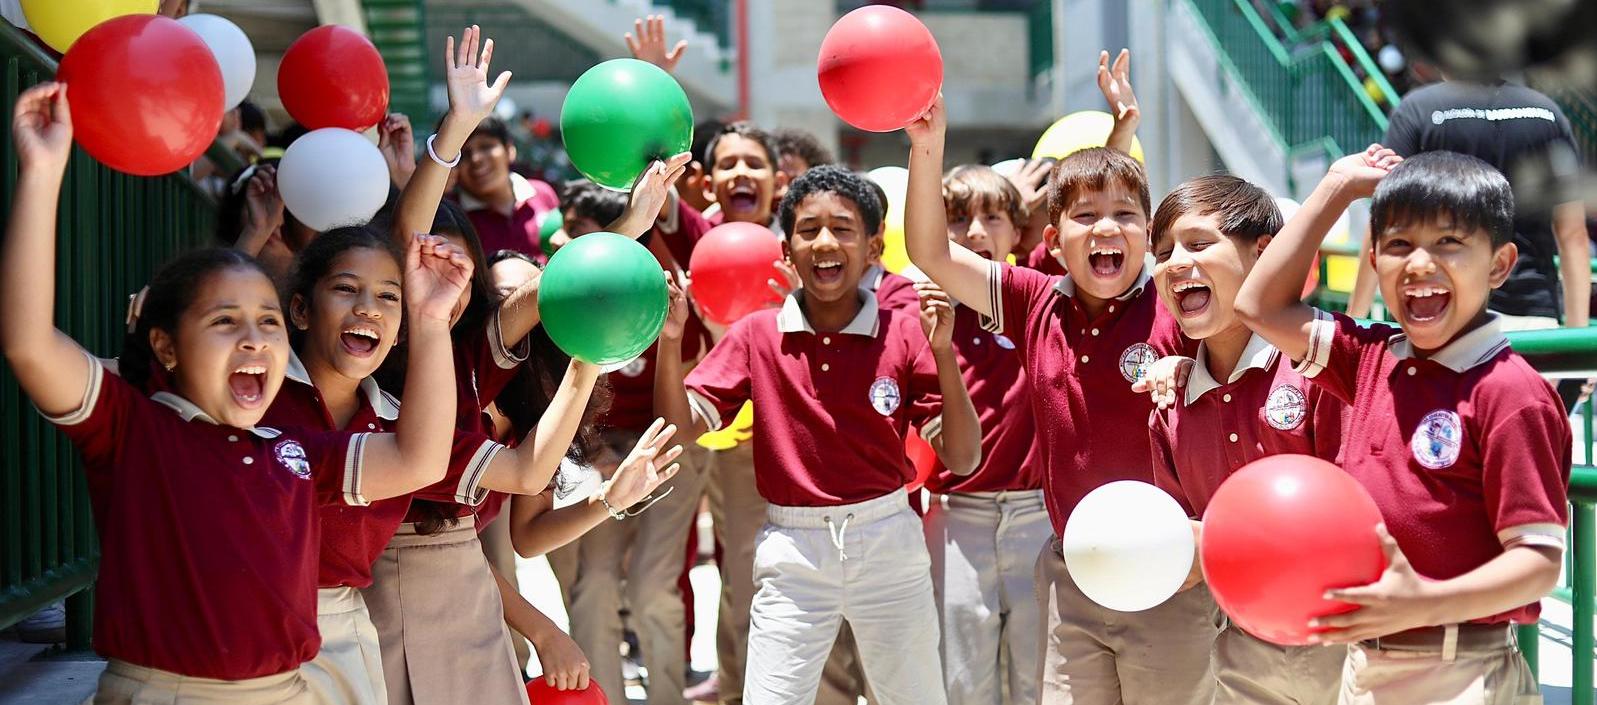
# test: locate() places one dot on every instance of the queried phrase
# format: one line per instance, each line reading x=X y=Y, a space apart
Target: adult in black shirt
x=1511 y=127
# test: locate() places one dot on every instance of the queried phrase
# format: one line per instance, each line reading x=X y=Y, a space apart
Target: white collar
x=1067 y=286
x=1465 y=352
x=1258 y=355
x=791 y=318
x=520 y=189
x=189 y=412
x=383 y=403
x=873 y=277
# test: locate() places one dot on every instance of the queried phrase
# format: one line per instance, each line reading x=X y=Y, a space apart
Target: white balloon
x=890 y=178
x=234 y=54
x=333 y=177
x=1128 y=546
x=1009 y=167
x=1287 y=206
x=1390 y=58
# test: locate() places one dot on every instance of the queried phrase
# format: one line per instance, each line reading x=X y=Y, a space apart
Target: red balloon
x=146 y=94
x=922 y=456
x=879 y=68
x=1279 y=533
x=333 y=77
x=731 y=266
x=541 y=693
x=1312 y=284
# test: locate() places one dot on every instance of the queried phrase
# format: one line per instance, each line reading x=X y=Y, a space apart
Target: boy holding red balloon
x=1242 y=401
x=1463 y=446
x=1083 y=339
x=836 y=382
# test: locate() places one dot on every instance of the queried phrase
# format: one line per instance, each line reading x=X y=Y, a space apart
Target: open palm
x=466 y=74
x=645 y=468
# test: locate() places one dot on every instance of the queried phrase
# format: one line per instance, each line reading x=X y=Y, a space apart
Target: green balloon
x=621 y=115
x=552 y=222
x=603 y=298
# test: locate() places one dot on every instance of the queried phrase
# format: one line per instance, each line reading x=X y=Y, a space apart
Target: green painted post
x=1585 y=583
x=1530 y=646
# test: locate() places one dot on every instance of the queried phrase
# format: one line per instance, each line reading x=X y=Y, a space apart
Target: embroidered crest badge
x=1438 y=439
x=884 y=395
x=1286 y=408
x=290 y=454
x=1136 y=360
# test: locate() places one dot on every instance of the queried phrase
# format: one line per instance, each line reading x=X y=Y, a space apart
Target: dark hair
x=496 y=128
x=250 y=117
x=1246 y=211
x=503 y=255
x=173 y=289
x=832 y=179
x=746 y=130
x=527 y=396
x=585 y=199
x=881 y=198
x=1095 y=169
x=969 y=188
x=804 y=145
x=317 y=259
x=451 y=220
x=286 y=136
x=703 y=132
x=1440 y=185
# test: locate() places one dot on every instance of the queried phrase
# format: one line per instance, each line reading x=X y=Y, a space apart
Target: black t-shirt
x=1503 y=125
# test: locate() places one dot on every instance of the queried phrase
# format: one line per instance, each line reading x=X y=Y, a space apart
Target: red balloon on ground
x=146 y=94
x=731 y=267
x=879 y=68
x=541 y=693
x=333 y=77
x=1279 y=533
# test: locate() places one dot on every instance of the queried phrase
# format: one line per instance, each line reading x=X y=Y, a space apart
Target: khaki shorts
x=1497 y=675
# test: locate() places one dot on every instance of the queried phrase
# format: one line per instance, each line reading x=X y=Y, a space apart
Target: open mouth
x=248 y=385
x=830 y=272
x=360 y=341
x=1107 y=261
x=1192 y=298
x=1425 y=304
x=985 y=254
x=743 y=198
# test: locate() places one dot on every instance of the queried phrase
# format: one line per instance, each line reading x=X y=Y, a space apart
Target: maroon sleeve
x=897 y=293
x=1525 y=462
x=1013 y=293
x=469 y=457
x=1338 y=350
x=98 y=427
x=336 y=462
x=487 y=362
x=721 y=382
x=925 y=393
x=1164 y=459
x=1043 y=261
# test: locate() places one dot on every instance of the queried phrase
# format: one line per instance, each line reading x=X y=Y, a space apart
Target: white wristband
x=436 y=158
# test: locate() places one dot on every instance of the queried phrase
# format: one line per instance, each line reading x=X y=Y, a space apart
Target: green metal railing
x=397 y=28
x=114 y=230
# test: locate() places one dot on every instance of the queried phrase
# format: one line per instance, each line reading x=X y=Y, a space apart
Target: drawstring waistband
x=839 y=534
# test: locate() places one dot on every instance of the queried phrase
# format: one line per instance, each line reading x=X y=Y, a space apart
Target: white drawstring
x=839 y=533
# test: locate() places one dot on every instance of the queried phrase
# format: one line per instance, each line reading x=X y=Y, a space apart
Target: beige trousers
x=635 y=563
x=349 y=668
x=1392 y=677
x=123 y=683
x=1093 y=655
x=1252 y=671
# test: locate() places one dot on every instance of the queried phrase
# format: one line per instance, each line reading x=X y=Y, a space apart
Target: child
x=1084 y=339
x=892 y=290
x=1465 y=448
x=983 y=530
x=505 y=208
x=1242 y=402
x=207 y=522
x=835 y=382
x=800 y=150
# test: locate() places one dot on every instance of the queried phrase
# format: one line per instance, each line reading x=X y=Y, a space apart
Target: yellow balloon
x=60 y=22
x=1078 y=131
x=741 y=429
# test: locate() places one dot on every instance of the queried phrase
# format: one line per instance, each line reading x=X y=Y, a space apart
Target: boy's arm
x=527 y=468
x=958 y=441
x=960 y=272
x=1270 y=301
x=470 y=100
x=48 y=363
x=1569 y=227
x=1115 y=82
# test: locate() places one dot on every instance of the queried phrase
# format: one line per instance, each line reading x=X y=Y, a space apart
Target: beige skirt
x=349 y=668
x=123 y=683
x=439 y=620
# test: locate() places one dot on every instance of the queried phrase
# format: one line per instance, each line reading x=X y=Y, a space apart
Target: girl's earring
x=171 y=366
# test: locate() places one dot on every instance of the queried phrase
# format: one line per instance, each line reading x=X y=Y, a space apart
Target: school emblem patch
x=1285 y=408
x=1136 y=360
x=1003 y=341
x=884 y=395
x=292 y=456
x=1438 y=439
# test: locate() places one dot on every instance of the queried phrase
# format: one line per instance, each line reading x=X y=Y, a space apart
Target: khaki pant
x=984 y=557
x=636 y=563
x=1391 y=677
x=502 y=556
x=349 y=668
x=1252 y=671
x=1093 y=655
x=123 y=683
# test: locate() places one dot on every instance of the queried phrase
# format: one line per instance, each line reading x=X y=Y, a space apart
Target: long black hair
x=174 y=288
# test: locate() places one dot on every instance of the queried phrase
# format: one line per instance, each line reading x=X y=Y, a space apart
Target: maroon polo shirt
x=1089 y=423
x=1010 y=458
x=519 y=230
x=1041 y=260
x=830 y=409
x=892 y=290
x=1466 y=451
x=208 y=533
x=353 y=537
x=1265 y=408
x=682 y=230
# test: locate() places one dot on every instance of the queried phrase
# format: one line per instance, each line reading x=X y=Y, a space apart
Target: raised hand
x=1031 y=180
x=647 y=43
x=398 y=144
x=41 y=128
x=263 y=205
x=466 y=75
x=676 y=319
x=1361 y=173
x=645 y=468
x=436 y=274
x=654 y=185
x=1115 y=82
x=936 y=315
x=931 y=125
